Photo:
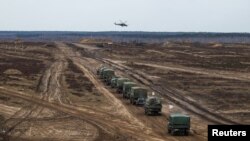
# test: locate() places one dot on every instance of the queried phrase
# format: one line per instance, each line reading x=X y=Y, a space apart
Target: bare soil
x=49 y=91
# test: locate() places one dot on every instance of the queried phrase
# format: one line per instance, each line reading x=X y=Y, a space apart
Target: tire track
x=111 y=127
x=49 y=88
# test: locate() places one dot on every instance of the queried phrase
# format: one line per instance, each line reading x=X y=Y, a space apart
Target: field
x=49 y=91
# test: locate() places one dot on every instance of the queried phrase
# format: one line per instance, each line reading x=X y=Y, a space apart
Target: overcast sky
x=141 y=15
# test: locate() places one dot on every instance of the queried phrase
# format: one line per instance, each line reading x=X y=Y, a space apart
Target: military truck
x=152 y=105
x=119 y=84
x=101 y=72
x=126 y=88
x=178 y=123
x=107 y=75
x=138 y=95
x=114 y=81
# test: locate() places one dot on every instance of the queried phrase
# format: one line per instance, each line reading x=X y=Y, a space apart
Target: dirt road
x=157 y=124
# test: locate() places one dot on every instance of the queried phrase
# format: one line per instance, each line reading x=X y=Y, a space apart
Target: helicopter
x=122 y=24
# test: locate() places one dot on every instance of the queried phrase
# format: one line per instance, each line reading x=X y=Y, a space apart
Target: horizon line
x=126 y=31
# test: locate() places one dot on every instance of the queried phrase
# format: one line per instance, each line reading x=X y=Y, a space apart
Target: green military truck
x=138 y=95
x=179 y=123
x=152 y=105
x=119 y=84
x=101 y=72
x=126 y=88
x=114 y=81
x=107 y=75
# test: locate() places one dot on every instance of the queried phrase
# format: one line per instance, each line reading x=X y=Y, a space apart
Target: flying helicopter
x=122 y=24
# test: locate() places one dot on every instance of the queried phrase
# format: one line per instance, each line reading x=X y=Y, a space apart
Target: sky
x=141 y=15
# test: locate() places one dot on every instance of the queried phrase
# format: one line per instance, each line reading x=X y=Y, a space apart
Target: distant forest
x=126 y=36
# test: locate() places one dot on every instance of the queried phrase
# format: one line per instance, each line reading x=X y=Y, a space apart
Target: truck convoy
x=137 y=95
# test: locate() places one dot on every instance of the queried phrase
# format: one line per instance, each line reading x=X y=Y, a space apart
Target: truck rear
x=113 y=81
x=153 y=105
x=138 y=95
x=179 y=123
x=102 y=71
x=107 y=75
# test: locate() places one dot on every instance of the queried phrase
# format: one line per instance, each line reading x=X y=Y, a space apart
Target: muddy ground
x=49 y=91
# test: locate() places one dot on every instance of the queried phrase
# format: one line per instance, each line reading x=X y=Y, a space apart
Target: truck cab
x=179 y=123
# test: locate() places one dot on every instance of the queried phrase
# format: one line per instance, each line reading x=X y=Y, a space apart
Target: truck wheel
x=183 y=132
x=172 y=132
